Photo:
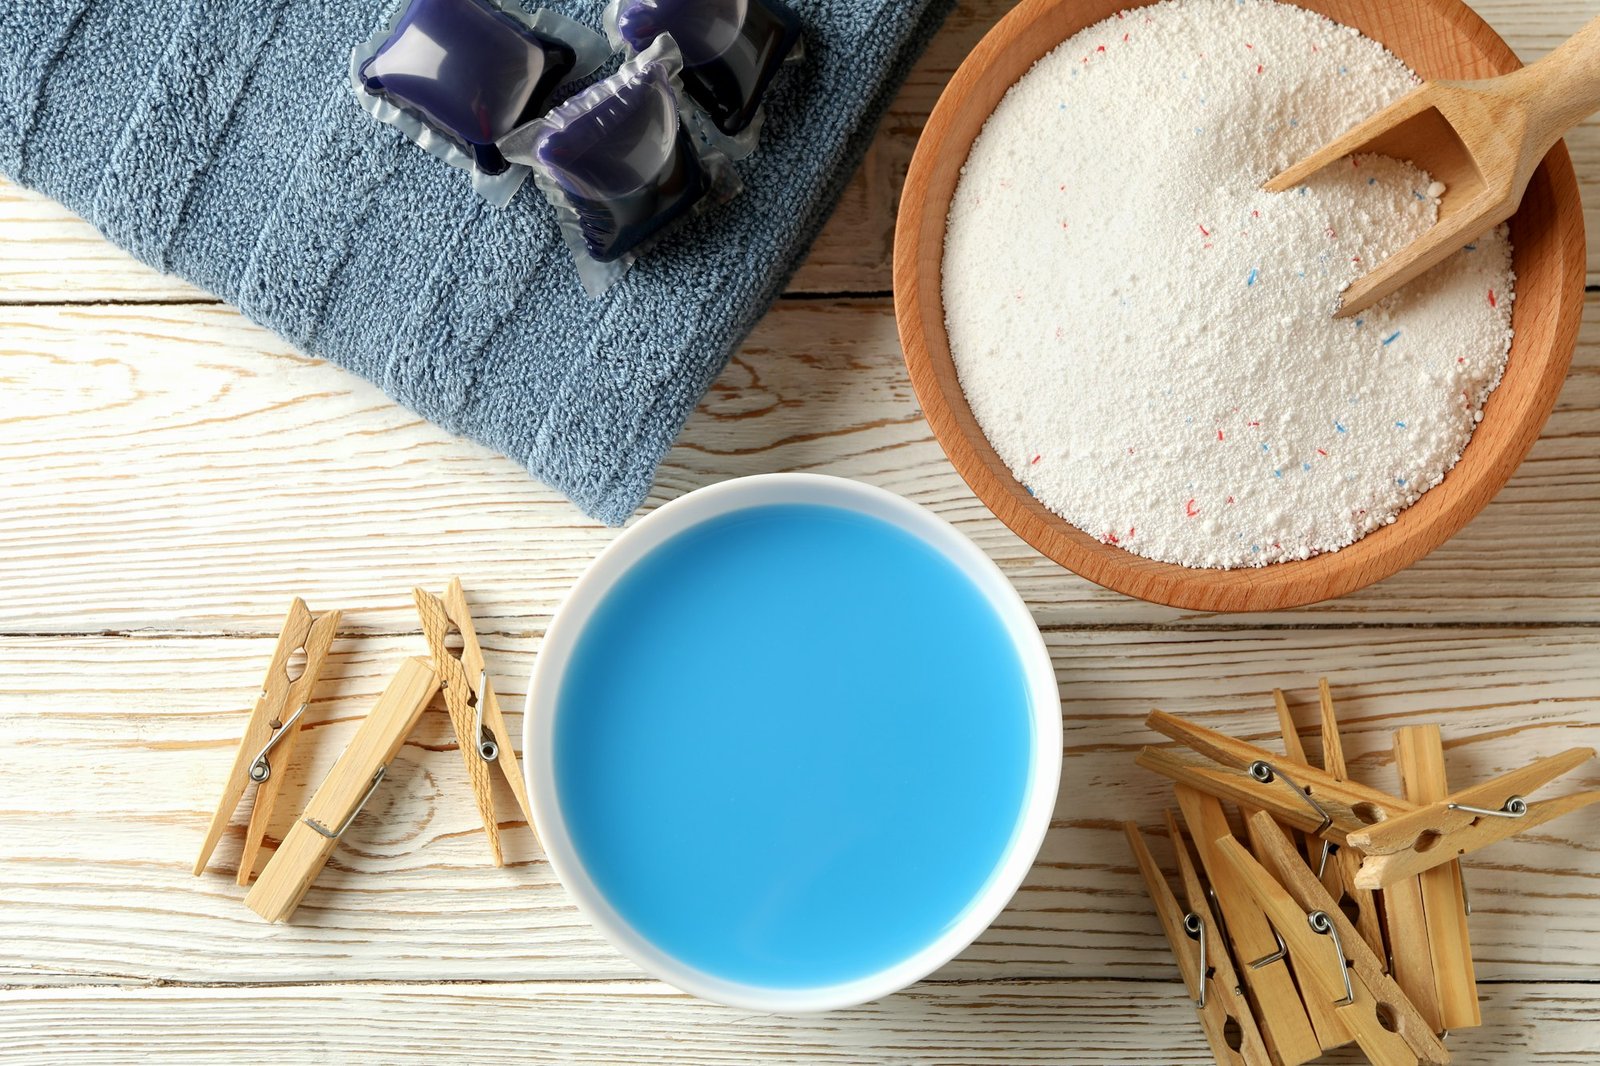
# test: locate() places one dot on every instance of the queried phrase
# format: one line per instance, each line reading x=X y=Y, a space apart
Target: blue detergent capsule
x=732 y=49
x=627 y=165
x=470 y=70
x=620 y=164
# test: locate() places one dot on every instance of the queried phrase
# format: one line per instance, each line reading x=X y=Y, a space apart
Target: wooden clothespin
x=343 y=793
x=1225 y=981
x=1425 y=837
x=1294 y=793
x=1198 y=947
x=1331 y=956
x=1285 y=1025
x=270 y=734
x=474 y=710
x=1338 y=875
x=1419 y=756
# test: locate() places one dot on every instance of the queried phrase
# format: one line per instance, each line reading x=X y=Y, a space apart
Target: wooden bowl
x=1437 y=39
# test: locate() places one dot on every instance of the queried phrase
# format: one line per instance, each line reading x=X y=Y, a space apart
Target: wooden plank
x=114 y=750
x=1087 y=1023
x=145 y=452
x=46 y=254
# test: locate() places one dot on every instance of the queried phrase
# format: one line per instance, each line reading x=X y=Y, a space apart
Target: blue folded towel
x=218 y=140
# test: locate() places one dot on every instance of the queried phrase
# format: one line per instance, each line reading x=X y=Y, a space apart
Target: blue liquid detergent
x=792 y=745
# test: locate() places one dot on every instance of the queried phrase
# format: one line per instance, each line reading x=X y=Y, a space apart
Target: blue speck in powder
x=1277 y=473
x=1372 y=181
x=1391 y=338
x=1399 y=481
x=1251 y=280
x=1418 y=195
x=1340 y=428
x=1265 y=448
x=1400 y=425
x=1305 y=466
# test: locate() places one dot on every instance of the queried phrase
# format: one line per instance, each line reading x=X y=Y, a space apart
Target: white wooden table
x=171 y=475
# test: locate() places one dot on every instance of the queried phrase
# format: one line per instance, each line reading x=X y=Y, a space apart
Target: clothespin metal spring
x=1195 y=926
x=335 y=834
x=1321 y=923
x=488 y=750
x=260 y=768
x=1515 y=807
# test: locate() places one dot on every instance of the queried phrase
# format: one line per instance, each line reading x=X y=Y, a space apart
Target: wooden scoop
x=1482 y=139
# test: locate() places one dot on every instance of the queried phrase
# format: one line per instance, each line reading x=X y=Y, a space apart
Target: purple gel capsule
x=731 y=49
x=626 y=164
x=471 y=70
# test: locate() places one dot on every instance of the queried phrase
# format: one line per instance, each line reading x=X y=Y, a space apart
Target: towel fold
x=217 y=140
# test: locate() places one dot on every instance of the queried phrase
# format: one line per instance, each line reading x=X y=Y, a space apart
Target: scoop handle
x=1563 y=88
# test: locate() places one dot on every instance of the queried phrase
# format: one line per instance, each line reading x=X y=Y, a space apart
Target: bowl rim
x=1418 y=529
x=693 y=508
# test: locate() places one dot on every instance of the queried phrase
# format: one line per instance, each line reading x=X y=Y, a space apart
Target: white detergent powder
x=1146 y=337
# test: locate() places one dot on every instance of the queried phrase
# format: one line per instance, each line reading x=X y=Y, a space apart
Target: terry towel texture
x=217 y=140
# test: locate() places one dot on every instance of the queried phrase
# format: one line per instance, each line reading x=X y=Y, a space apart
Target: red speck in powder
x=1254 y=425
x=1124 y=38
x=1230 y=499
x=1322 y=453
x=1492 y=301
x=1131 y=531
x=1102 y=48
x=1203 y=231
x=1190 y=509
x=1247 y=44
x=1259 y=68
x=1036 y=458
x=1111 y=538
x=1255 y=214
x=1219 y=434
x=1331 y=234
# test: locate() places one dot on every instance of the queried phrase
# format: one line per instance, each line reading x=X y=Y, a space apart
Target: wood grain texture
x=133 y=758
x=1106 y=1023
x=172 y=475
x=49 y=255
x=1440 y=39
x=139 y=498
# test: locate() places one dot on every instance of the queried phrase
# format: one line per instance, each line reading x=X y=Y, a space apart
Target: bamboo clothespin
x=1419 y=756
x=1425 y=837
x=270 y=734
x=343 y=793
x=1285 y=1025
x=1197 y=947
x=474 y=710
x=1341 y=966
x=1298 y=795
x=1339 y=875
x=1226 y=984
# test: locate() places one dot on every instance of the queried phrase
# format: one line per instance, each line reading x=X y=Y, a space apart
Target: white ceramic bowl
x=758 y=491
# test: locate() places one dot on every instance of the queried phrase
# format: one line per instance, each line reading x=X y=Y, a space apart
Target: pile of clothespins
x=1341 y=917
x=272 y=731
